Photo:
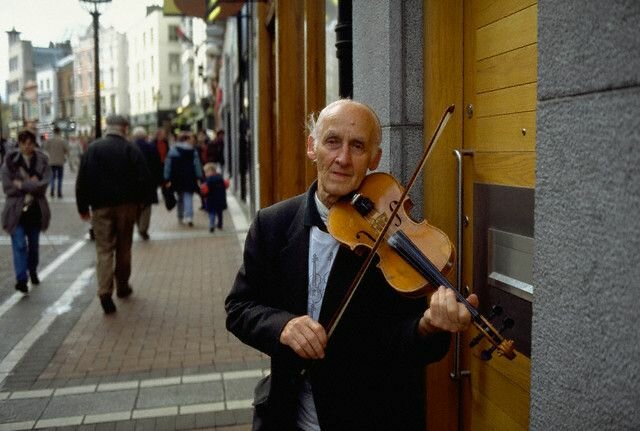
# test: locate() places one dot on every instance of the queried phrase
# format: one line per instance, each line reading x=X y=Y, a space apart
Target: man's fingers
x=305 y=336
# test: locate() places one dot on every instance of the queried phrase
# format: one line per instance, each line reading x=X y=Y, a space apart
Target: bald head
x=316 y=125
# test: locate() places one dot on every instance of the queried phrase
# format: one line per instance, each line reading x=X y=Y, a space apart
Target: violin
x=413 y=257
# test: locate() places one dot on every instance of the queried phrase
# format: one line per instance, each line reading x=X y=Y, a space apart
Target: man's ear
x=375 y=160
x=311 y=152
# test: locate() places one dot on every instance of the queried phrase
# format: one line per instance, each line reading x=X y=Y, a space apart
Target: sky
x=44 y=21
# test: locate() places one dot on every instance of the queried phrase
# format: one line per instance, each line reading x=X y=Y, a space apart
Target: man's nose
x=344 y=154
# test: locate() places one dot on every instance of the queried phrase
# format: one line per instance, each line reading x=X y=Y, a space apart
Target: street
x=164 y=360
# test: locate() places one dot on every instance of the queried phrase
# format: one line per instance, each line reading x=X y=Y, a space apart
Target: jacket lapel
x=297 y=253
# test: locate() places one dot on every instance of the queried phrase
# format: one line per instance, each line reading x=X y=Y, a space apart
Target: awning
x=216 y=9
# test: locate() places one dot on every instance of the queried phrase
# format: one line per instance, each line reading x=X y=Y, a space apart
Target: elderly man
x=110 y=186
x=58 y=151
x=370 y=373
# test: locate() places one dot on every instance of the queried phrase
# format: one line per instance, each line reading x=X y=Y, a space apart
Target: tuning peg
x=496 y=310
x=507 y=323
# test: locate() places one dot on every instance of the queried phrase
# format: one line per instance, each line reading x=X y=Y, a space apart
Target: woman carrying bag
x=25 y=177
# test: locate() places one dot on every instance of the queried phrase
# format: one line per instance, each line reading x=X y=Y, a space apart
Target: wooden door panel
x=508 y=69
x=488 y=11
x=515 y=99
x=505 y=168
x=512 y=32
x=509 y=132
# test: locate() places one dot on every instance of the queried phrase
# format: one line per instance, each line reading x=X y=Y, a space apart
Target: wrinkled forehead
x=349 y=114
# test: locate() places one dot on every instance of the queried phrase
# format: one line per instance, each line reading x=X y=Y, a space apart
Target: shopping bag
x=169 y=197
x=204 y=189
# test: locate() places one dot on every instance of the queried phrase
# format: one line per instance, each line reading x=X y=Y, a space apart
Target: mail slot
x=510 y=263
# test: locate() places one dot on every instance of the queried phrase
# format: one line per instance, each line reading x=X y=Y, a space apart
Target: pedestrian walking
x=58 y=150
x=182 y=172
x=215 y=150
x=370 y=374
x=110 y=186
x=152 y=159
x=25 y=177
x=202 y=141
x=216 y=196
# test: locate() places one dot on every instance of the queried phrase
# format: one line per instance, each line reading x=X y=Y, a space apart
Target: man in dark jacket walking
x=152 y=158
x=110 y=186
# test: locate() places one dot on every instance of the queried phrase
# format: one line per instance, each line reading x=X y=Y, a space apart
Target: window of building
x=48 y=85
x=174 y=94
x=174 y=63
x=13 y=86
x=151 y=64
x=113 y=103
x=150 y=36
x=41 y=85
x=173 y=33
x=103 y=105
x=13 y=63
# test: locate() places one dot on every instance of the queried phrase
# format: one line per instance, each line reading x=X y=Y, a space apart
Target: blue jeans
x=213 y=214
x=56 y=172
x=25 y=242
x=185 y=206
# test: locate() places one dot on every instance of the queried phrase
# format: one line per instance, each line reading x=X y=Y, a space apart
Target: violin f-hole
x=392 y=206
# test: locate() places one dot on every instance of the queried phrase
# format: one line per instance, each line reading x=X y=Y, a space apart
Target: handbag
x=169 y=197
x=204 y=189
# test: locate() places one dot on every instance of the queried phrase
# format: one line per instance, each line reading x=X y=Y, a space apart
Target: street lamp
x=96 y=58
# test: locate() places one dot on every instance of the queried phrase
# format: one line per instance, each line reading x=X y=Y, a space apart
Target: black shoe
x=190 y=224
x=59 y=196
x=144 y=236
x=107 y=304
x=34 y=278
x=220 y=226
x=124 y=291
x=212 y=229
x=22 y=286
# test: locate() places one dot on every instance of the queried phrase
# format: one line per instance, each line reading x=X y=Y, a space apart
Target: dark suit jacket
x=372 y=376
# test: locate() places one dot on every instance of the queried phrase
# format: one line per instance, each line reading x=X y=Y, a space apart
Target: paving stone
x=90 y=404
x=205 y=420
x=22 y=410
x=185 y=422
x=196 y=393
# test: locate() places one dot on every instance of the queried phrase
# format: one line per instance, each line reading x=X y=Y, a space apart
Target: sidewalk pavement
x=163 y=361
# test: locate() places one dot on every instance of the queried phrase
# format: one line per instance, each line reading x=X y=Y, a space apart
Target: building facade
x=154 y=69
x=24 y=61
x=114 y=73
x=83 y=71
x=66 y=119
x=46 y=79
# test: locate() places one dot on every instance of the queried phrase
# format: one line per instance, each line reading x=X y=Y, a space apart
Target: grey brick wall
x=585 y=341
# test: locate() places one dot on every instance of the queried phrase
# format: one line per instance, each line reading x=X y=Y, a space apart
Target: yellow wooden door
x=481 y=55
x=499 y=102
